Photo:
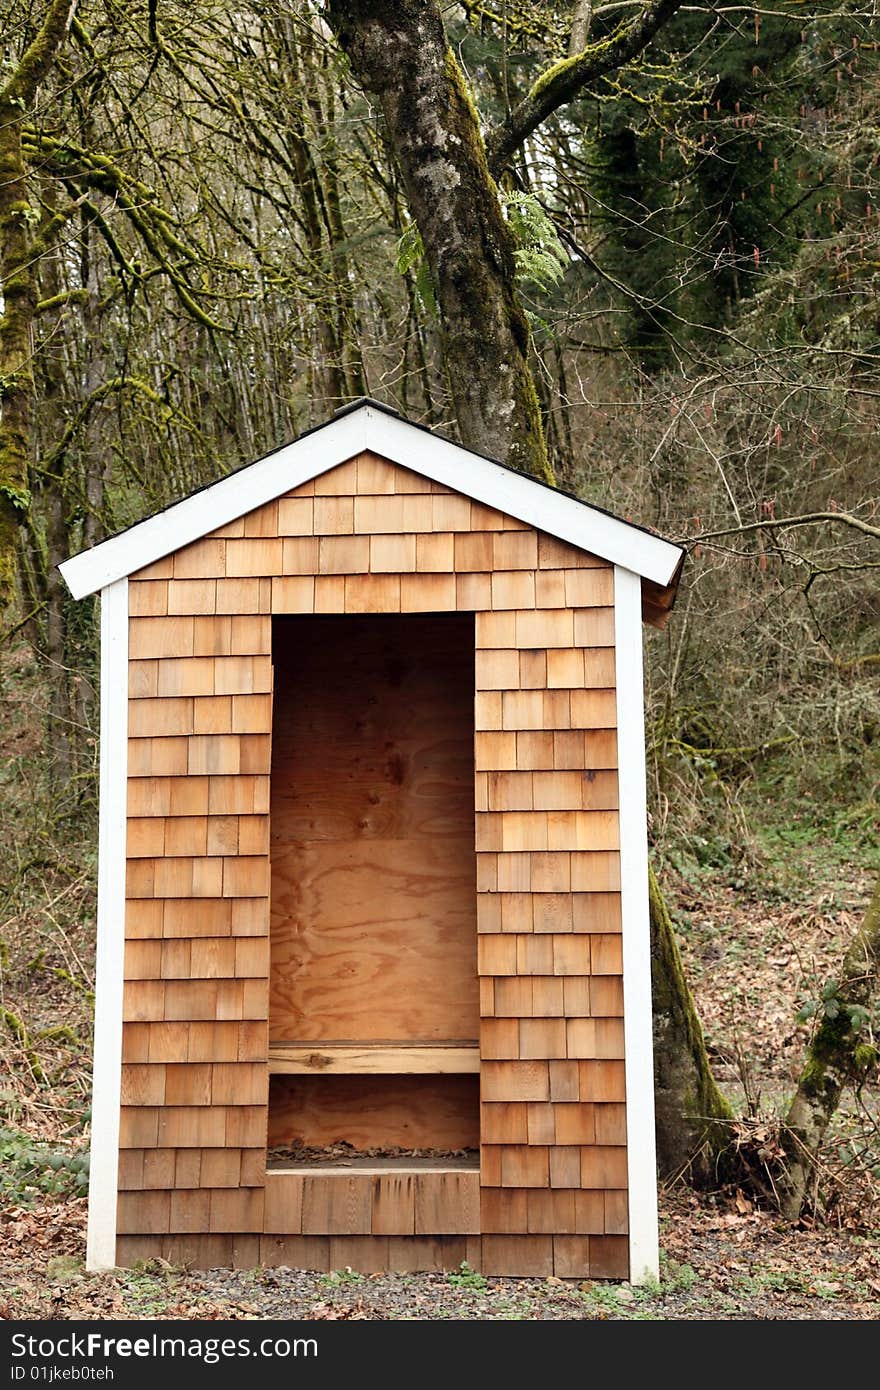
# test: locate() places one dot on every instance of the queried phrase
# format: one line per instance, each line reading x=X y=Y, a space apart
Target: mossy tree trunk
x=18 y=283
x=24 y=236
x=399 y=52
x=693 y=1117
x=842 y=1053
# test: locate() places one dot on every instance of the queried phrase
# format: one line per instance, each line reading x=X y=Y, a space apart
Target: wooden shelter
x=373 y=979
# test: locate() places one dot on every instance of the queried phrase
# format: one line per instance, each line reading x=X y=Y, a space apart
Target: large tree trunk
x=398 y=51
x=840 y=1054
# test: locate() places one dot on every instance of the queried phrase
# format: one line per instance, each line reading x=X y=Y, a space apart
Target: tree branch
x=561 y=82
x=580 y=27
x=136 y=201
x=854 y=662
x=35 y=63
x=808 y=519
x=61 y=300
x=49 y=465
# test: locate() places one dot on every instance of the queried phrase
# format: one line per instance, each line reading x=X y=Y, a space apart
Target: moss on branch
x=564 y=79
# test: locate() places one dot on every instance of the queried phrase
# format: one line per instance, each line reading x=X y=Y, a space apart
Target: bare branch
x=808 y=519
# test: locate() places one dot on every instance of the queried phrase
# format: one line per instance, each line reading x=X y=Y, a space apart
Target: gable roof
x=368 y=425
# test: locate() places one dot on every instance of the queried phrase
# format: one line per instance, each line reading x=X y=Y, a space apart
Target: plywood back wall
x=374 y=909
x=372 y=538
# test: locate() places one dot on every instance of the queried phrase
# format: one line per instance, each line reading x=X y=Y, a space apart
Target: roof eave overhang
x=370 y=427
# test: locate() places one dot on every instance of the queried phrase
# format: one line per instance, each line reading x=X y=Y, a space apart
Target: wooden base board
x=568 y=1257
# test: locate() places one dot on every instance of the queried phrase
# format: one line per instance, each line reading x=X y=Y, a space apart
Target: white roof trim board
x=370 y=426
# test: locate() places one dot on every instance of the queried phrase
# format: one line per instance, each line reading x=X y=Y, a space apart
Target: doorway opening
x=374 y=1006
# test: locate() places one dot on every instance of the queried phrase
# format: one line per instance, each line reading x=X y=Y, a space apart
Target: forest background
x=215 y=230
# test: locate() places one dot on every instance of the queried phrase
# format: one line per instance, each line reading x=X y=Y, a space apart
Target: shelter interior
x=374 y=1003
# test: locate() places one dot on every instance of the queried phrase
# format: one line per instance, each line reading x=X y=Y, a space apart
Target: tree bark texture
x=839 y=1055
x=693 y=1117
x=16 y=372
x=399 y=53
x=19 y=251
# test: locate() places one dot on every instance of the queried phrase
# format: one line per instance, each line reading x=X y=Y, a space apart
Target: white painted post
x=109 y=965
x=638 y=1037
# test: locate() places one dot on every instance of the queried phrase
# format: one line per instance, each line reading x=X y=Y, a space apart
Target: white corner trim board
x=644 y=1261
x=106 y=1082
x=406 y=444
